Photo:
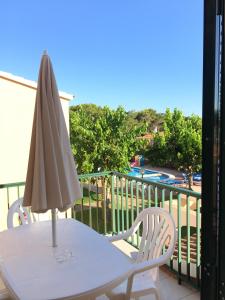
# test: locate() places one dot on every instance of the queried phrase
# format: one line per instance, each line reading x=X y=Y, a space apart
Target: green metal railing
x=111 y=201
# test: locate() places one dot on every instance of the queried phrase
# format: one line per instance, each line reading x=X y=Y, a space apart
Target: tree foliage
x=148 y=117
x=179 y=144
x=100 y=138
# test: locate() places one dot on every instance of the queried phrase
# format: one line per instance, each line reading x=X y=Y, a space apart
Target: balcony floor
x=170 y=290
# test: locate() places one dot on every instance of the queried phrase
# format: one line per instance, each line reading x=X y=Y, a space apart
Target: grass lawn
x=89 y=210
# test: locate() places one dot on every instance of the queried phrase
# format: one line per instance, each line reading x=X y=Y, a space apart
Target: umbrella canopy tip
x=45 y=52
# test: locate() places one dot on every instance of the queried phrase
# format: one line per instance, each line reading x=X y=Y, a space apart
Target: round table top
x=84 y=262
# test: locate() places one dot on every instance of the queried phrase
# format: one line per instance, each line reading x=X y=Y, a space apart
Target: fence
x=111 y=201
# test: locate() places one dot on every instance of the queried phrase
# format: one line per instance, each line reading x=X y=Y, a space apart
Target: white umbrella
x=52 y=181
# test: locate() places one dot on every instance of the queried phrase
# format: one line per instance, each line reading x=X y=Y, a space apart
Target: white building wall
x=17 y=101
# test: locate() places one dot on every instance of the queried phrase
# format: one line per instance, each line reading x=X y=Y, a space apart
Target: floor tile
x=195 y=296
x=102 y=298
x=171 y=290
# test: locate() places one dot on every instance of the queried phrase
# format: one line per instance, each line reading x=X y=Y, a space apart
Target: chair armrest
x=118 y=237
x=149 y=264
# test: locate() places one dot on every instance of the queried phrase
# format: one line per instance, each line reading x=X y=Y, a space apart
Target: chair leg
x=157 y=294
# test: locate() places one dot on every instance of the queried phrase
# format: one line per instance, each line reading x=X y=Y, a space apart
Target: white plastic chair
x=23 y=213
x=158 y=230
x=25 y=218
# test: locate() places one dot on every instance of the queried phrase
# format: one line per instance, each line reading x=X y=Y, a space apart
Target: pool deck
x=177 y=174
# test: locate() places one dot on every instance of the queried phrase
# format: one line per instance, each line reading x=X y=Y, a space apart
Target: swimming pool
x=149 y=175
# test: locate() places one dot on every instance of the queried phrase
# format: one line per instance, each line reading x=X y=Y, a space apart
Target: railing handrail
x=99 y=174
x=138 y=179
x=81 y=176
x=11 y=184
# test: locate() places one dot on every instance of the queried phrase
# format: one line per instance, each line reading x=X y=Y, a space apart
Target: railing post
x=104 y=203
x=113 y=204
x=143 y=195
x=132 y=205
x=122 y=203
x=118 y=208
x=137 y=210
x=127 y=207
x=198 y=249
x=149 y=195
x=82 y=203
x=188 y=237
x=156 y=196
x=163 y=197
x=89 y=199
x=170 y=211
x=179 y=237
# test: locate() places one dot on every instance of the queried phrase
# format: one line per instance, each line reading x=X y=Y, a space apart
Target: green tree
x=148 y=117
x=179 y=144
x=90 y=109
x=100 y=138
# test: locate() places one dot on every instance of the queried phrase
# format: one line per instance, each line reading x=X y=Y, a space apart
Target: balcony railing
x=111 y=202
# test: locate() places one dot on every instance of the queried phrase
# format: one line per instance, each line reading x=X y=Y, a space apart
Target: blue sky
x=139 y=54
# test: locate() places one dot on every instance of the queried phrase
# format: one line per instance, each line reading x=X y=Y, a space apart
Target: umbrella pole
x=54 y=239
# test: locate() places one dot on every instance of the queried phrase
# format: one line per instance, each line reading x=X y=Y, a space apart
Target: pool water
x=135 y=172
x=150 y=175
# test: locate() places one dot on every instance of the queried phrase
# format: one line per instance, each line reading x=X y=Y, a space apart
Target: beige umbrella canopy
x=52 y=181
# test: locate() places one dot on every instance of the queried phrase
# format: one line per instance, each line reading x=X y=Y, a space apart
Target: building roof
x=30 y=84
x=149 y=136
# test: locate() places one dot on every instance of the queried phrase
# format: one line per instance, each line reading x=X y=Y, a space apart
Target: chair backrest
x=17 y=208
x=158 y=234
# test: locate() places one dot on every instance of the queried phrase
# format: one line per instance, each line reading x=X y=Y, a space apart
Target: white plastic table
x=31 y=268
